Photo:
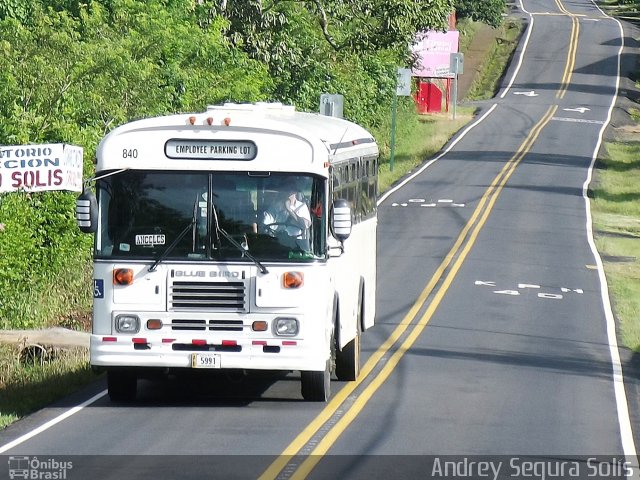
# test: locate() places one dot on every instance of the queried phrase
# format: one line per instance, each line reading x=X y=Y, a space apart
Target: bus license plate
x=205 y=360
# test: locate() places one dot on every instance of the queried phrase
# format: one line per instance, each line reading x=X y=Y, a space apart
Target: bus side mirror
x=341 y=220
x=87 y=212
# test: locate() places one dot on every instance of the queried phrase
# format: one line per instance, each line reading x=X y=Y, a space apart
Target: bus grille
x=212 y=325
x=226 y=296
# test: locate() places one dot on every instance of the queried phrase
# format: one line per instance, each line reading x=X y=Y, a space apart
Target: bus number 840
x=129 y=153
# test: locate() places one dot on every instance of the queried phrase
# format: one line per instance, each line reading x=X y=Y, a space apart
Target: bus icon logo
x=18 y=467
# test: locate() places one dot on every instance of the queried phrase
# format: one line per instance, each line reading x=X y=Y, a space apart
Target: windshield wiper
x=182 y=234
x=235 y=243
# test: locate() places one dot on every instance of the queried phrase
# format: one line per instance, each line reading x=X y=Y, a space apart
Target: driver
x=288 y=214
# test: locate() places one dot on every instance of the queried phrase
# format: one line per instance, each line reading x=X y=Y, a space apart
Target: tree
x=69 y=76
x=353 y=25
x=485 y=11
x=351 y=47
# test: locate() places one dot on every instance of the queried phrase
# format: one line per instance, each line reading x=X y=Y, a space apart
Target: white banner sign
x=37 y=168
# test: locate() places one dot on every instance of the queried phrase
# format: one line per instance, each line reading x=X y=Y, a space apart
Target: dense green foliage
x=43 y=260
x=72 y=70
x=487 y=11
x=70 y=76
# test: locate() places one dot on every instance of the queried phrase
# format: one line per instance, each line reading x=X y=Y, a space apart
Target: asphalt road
x=493 y=339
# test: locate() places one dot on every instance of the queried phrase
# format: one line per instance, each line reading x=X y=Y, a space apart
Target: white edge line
x=51 y=423
x=522 y=52
x=431 y=162
x=628 y=443
x=624 y=420
x=470 y=127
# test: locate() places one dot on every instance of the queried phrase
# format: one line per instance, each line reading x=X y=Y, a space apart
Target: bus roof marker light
x=227 y=121
x=210 y=120
x=192 y=120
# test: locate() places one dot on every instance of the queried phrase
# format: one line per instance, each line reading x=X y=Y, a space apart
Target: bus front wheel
x=348 y=360
x=316 y=386
x=122 y=385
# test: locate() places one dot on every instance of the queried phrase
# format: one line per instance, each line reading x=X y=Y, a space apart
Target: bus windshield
x=226 y=216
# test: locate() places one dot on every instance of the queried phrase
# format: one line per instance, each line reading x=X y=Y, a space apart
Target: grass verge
x=418 y=137
x=628 y=10
x=616 y=219
x=616 y=207
x=31 y=377
x=486 y=83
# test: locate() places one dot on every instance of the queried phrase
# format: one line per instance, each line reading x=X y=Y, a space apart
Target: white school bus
x=239 y=238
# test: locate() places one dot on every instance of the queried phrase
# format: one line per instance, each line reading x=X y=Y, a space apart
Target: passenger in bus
x=288 y=214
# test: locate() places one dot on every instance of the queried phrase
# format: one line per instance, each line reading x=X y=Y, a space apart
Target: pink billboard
x=433 y=51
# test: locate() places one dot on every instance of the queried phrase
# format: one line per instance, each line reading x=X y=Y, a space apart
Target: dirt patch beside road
x=53 y=337
x=478 y=50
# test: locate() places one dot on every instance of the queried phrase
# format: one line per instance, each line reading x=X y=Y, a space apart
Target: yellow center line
x=554 y=14
x=305 y=436
x=572 y=52
x=490 y=196
x=561 y=8
x=359 y=404
x=488 y=199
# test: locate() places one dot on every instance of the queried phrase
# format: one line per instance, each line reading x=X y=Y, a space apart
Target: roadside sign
x=403 y=84
x=38 y=168
x=332 y=105
x=403 y=89
x=456 y=65
x=432 y=50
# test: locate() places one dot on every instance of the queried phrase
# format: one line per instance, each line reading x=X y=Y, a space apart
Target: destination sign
x=210 y=149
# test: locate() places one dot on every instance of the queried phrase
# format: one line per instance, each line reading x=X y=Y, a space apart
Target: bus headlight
x=127 y=323
x=285 y=327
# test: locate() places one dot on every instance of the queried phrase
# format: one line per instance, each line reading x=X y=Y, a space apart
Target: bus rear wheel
x=316 y=386
x=122 y=385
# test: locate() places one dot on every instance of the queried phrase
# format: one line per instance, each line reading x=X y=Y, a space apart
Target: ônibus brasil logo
x=36 y=469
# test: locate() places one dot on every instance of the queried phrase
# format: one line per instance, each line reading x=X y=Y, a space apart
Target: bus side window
x=364 y=204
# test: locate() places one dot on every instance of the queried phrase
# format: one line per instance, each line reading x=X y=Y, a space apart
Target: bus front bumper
x=268 y=354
